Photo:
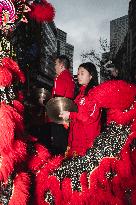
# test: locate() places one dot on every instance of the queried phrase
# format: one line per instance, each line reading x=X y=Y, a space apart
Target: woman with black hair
x=85 y=124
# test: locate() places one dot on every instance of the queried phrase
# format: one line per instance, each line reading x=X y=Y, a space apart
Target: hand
x=67 y=152
x=64 y=115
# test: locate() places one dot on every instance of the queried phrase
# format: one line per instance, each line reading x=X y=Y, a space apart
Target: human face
x=114 y=72
x=58 y=66
x=83 y=76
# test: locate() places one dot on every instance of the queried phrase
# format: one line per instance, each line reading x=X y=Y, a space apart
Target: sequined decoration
x=6 y=191
x=8 y=7
x=7 y=94
x=108 y=144
x=49 y=198
x=10 y=93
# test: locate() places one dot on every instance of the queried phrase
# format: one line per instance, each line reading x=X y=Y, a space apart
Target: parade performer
x=105 y=174
x=63 y=83
x=85 y=124
x=64 y=86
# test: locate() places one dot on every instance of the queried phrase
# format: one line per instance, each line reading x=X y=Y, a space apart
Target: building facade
x=47 y=53
x=61 y=42
x=125 y=58
x=121 y=61
x=132 y=38
x=118 y=31
x=64 y=48
x=69 y=52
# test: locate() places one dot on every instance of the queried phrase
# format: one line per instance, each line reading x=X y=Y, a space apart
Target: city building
x=132 y=38
x=120 y=61
x=69 y=52
x=61 y=41
x=64 y=48
x=48 y=52
x=125 y=59
x=118 y=31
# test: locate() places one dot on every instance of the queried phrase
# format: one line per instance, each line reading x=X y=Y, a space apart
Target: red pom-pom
x=5 y=76
x=18 y=106
x=42 y=12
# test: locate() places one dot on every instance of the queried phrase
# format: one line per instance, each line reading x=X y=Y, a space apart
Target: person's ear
x=62 y=67
x=90 y=77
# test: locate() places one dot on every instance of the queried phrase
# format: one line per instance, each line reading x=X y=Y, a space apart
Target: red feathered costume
x=14 y=182
x=106 y=173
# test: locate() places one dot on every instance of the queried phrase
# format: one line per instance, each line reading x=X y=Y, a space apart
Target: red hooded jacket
x=85 y=124
x=64 y=85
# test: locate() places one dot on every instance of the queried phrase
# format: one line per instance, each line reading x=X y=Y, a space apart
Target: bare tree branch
x=96 y=58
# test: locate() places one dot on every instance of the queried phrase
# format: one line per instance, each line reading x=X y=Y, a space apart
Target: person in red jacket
x=63 y=83
x=64 y=86
x=85 y=124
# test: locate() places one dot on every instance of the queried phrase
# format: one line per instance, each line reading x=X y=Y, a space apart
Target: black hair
x=90 y=67
x=65 y=60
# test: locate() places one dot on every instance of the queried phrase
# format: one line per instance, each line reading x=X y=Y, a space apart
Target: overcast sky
x=85 y=21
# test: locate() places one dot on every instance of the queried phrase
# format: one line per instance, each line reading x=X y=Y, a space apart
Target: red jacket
x=85 y=125
x=64 y=85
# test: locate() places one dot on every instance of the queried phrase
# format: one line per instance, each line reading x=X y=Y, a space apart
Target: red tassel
x=20 y=96
x=37 y=161
x=10 y=157
x=18 y=106
x=13 y=67
x=5 y=76
x=54 y=187
x=5 y=171
x=20 y=195
x=66 y=190
x=133 y=198
x=7 y=127
x=84 y=181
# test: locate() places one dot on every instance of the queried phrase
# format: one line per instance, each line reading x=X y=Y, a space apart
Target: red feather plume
x=13 y=68
x=20 y=193
x=42 y=12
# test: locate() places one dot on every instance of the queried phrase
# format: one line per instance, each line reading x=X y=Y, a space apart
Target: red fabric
x=64 y=85
x=115 y=94
x=121 y=117
x=85 y=124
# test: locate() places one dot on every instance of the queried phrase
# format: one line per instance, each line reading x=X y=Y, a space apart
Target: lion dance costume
x=14 y=145
x=106 y=173
x=14 y=181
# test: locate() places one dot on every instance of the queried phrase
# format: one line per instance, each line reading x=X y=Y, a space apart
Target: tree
x=100 y=59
